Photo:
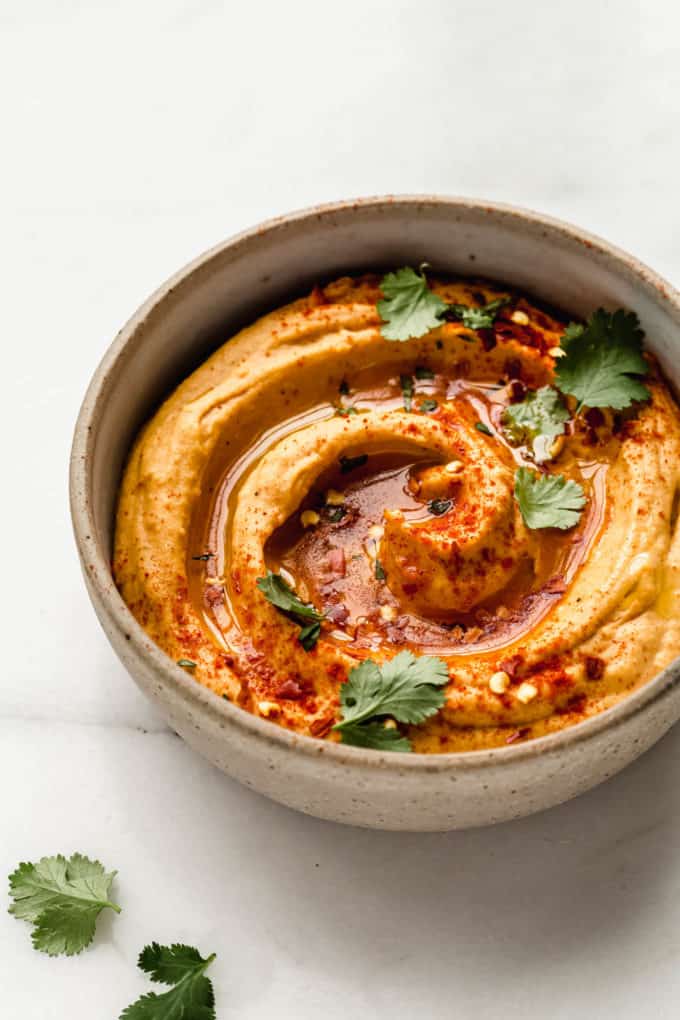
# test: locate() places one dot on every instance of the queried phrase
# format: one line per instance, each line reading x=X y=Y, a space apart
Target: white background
x=135 y=135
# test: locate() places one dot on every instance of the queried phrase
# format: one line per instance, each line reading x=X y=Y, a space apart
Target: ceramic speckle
x=206 y=302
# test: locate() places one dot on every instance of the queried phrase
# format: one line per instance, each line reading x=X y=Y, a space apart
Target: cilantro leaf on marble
x=602 y=361
x=548 y=501
x=62 y=898
x=409 y=308
x=191 y=996
x=537 y=421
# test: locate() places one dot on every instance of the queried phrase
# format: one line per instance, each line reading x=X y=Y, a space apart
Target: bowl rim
x=96 y=565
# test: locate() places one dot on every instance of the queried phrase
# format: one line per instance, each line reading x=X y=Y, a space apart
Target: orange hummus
x=376 y=478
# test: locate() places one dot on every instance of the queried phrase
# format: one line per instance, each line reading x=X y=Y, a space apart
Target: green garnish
x=281 y=595
x=348 y=464
x=477 y=318
x=548 y=501
x=344 y=412
x=422 y=372
x=204 y=556
x=335 y=513
x=407 y=689
x=62 y=899
x=191 y=996
x=187 y=663
x=439 y=506
x=484 y=429
x=309 y=635
x=602 y=360
x=537 y=421
x=409 y=308
x=427 y=406
x=406 y=383
x=380 y=574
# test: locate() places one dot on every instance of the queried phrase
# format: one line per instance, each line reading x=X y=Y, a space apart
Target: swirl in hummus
x=377 y=479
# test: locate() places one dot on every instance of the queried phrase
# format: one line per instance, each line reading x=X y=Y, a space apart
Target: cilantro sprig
x=281 y=595
x=409 y=309
x=62 y=898
x=602 y=360
x=548 y=501
x=406 y=689
x=191 y=996
x=538 y=420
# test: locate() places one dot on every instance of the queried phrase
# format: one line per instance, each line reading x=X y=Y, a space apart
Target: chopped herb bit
x=204 y=556
x=191 y=995
x=407 y=688
x=438 y=507
x=549 y=501
x=344 y=412
x=62 y=899
x=309 y=636
x=226 y=697
x=406 y=383
x=537 y=421
x=477 y=318
x=422 y=372
x=409 y=308
x=602 y=360
x=428 y=406
x=348 y=464
x=343 y=388
x=187 y=663
x=380 y=574
x=335 y=513
x=484 y=429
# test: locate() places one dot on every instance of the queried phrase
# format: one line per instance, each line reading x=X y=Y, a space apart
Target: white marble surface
x=135 y=135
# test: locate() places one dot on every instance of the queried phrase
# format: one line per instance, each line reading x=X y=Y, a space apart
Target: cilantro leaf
x=62 y=898
x=309 y=635
x=409 y=308
x=428 y=406
x=281 y=595
x=183 y=967
x=549 y=501
x=602 y=360
x=477 y=318
x=379 y=571
x=375 y=735
x=406 y=688
x=484 y=429
x=537 y=421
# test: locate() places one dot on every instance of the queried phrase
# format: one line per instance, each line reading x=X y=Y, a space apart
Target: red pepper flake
x=518 y=735
x=594 y=667
x=321 y=727
x=289 y=690
x=214 y=595
x=511 y=665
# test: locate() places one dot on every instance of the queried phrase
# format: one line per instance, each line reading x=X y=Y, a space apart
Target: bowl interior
x=230 y=286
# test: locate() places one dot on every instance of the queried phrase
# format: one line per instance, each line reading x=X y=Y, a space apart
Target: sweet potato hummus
x=377 y=480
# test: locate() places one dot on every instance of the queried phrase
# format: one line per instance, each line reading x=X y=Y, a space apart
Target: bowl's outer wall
x=229 y=288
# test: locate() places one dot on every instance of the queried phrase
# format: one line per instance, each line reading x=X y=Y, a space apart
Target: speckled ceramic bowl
x=229 y=287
